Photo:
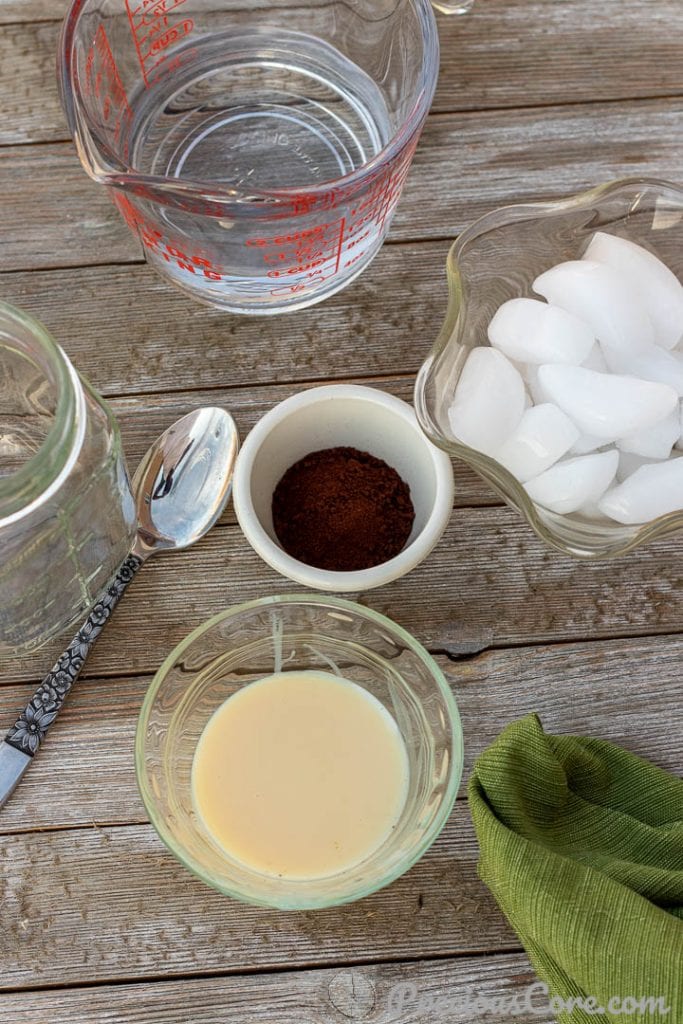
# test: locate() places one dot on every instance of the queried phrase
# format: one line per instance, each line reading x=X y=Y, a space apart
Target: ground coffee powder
x=342 y=509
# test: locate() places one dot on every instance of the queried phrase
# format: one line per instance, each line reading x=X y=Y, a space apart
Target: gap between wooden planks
x=107 y=903
x=503 y=55
x=142 y=419
x=626 y=691
x=58 y=916
x=489 y=583
x=427 y=990
x=154 y=339
x=466 y=164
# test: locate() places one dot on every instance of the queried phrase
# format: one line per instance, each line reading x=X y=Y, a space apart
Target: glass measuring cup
x=257 y=149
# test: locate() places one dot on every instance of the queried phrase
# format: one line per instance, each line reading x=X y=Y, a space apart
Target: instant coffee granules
x=343 y=510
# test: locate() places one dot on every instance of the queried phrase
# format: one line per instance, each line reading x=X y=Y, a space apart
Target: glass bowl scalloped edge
x=580 y=538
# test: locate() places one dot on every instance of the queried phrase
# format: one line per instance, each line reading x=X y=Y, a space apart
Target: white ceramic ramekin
x=328 y=417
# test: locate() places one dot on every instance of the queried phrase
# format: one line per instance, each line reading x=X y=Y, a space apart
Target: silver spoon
x=181 y=487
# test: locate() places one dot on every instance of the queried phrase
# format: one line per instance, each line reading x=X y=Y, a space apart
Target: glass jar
x=67 y=516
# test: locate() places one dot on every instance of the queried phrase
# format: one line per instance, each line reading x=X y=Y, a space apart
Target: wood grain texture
x=489 y=583
x=87 y=763
x=57 y=216
x=12 y=11
x=105 y=903
x=573 y=687
x=144 y=417
x=129 y=333
x=424 y=992
x=514 y=53
x=536 y=99
x=466 y=164
x=30 y=106
x=506 y=53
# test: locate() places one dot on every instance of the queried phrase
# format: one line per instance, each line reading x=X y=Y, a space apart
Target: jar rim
x=42 y=475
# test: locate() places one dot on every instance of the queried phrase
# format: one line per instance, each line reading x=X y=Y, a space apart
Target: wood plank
x=574 y=688
x=502 y=55
x=465 y=165
x=422 y=992
x=12 y=11
x=31 y=111
x=56 y=216
x=144 y=417
x=106 y=903
x=469 y=164
x=513 y=53
x=156 y=339
x=489 y=583
x=96 y=730
x=102 y=904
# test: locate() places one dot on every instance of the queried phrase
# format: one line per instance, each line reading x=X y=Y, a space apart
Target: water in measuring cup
x=258 y=110
x=253 y=111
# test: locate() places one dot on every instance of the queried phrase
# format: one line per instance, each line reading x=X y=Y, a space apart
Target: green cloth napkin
x=582 y=846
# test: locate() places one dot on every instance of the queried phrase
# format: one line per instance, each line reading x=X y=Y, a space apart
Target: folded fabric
x=582 y=846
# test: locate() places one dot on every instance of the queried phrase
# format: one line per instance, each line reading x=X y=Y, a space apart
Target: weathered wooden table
x=537 y=98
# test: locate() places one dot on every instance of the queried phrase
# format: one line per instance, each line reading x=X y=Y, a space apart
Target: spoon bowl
x=181 y=486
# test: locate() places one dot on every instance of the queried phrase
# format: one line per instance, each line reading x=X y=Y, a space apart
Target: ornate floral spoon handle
x=28 y=732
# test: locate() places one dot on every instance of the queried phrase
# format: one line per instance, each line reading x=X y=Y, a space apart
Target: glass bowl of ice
x=558 y=373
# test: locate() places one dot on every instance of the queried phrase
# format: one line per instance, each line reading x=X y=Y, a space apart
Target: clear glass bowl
x=254 y=640
x=497 y=258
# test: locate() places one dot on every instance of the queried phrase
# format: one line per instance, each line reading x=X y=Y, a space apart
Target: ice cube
x=658 y=287
x=591 y=511
x=543 y=436
x=572 y=484
x=655 y=442
x=606 y=405
x=586 y=444
x=652 y=491
x=654 y=364
x=530 y=375
x=489 y=401
x=534 y=332
x=595 y=293
x=522 y=370
x=595 y=360
x=629 y=464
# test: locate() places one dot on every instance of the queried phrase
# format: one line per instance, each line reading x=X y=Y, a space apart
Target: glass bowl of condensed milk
x=299 y=752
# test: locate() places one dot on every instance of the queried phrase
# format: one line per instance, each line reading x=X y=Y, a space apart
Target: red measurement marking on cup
x=314 y=252
x=318 y=253
x=154 y=242
x=153 y=32
x=103 y=85
x=340 y=243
